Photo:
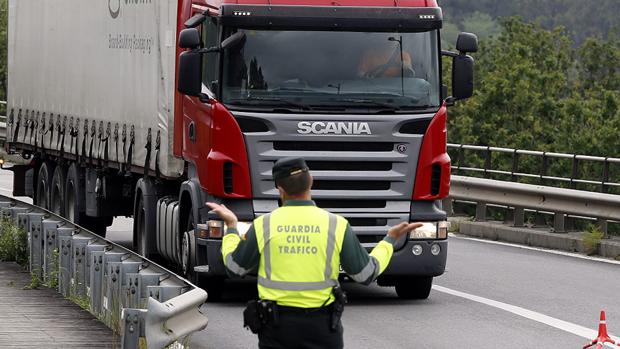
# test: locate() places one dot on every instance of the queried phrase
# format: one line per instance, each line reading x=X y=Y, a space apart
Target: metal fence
x=583 y=172
x=135 y=297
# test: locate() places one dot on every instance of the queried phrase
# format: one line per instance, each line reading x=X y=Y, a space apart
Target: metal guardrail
x=559 y=201
x=489 y=157
x=133 y=296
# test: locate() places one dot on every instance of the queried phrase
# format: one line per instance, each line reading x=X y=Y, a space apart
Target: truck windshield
x=329 y=69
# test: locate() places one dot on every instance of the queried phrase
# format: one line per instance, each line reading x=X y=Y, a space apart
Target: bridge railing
x=148 y=305
x=572 y=171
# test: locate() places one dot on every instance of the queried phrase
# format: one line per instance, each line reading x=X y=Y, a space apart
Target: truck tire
x=144 y=224
x=414 y=287
x=74 y=202
x=214 y=285
x=43 y=184
x=57 y=191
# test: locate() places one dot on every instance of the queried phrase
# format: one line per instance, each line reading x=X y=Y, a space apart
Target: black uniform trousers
x=298 y=328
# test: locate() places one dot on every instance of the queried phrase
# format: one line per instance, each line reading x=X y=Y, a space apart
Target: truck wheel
x=214 y=285
x=57 y=190
x=74 y=186
x=414 y=287
x=139 y=240
x=145 y=221
x=44 y=180
x=74 y=201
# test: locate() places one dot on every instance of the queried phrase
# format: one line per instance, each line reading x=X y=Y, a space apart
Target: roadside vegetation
x=13 y=244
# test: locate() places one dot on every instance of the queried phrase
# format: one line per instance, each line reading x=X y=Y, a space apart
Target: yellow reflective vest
x=300 y=255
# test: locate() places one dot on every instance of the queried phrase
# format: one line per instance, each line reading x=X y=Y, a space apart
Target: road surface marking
x=539 y=249
x=569 y=327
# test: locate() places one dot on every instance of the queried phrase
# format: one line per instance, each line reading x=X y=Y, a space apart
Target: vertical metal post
x=36 y=244
x=558 y=222
x=488 y=157
x=126 y=268
x=147 y=280
x=602 y=223
x=164 y=293
x=543 y=168
x=89 y=250
x=132 y=327
x=50 y=228
x=460 y=159
x=96 y=281
x=481 y=212
x=518 y=217
x=64 y=283
x=131 y=290
x=447 y=206
x=112 y=302
x=515 y=166
x=78 y=277
x=604 y=186
x=575 y=173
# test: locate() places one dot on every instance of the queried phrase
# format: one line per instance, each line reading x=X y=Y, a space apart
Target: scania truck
x=150 y=108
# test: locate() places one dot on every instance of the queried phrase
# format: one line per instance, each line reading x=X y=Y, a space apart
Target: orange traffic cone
x=603 y=337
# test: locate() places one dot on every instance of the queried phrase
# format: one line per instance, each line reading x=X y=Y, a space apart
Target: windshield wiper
x=272 y=99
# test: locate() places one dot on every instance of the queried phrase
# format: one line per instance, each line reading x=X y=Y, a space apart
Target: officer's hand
x=225 y=214
x=403 y=228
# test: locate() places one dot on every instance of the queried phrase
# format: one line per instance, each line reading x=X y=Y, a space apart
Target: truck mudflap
x=406 y=263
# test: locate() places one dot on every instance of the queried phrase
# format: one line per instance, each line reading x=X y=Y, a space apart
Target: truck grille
x=368 y=179
x=333 y=146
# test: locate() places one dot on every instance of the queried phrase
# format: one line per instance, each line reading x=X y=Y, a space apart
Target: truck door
x=197 y=114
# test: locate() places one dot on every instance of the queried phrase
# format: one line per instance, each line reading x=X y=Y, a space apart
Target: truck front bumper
x=405 y=263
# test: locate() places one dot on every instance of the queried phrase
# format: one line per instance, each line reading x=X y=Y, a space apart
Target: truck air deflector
x=332 y=17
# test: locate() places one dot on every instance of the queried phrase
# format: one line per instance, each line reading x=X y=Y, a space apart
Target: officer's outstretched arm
x=240 y=256
x=365 y=268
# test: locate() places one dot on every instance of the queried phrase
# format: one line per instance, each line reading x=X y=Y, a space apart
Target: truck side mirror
x=190 y=73
x=467 y=42
x=189 y=38
x=462 y=76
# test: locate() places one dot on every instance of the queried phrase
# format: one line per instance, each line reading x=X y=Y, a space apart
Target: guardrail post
x=164 y=293
x=447 y=206
x=575 y=172
x=481 y=212
x=96 y=281
x=558 y=222
x=518 y=219
x=89 y=251
x=78 y=280
x=146 y=281
x=488 y=157
x=604 y=186
x=602 y=223
x=111 y=302
x=515 y=166
x=131 y=290
x=64 y=282
x=126 y=269
x=133 y=328
x=36 y=244
x=50 y=230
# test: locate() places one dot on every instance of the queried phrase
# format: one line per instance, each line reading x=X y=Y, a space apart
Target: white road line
x=569 y=327
x=539 y=249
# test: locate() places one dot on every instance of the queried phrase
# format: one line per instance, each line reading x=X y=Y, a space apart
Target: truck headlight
x=431 y=230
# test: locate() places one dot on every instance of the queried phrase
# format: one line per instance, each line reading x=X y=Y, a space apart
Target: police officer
x=298 y=249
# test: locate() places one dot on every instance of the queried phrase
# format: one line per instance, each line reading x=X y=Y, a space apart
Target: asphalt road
x=491 y=296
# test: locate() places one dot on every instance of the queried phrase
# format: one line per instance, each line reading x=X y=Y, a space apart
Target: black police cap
x=287 y=167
